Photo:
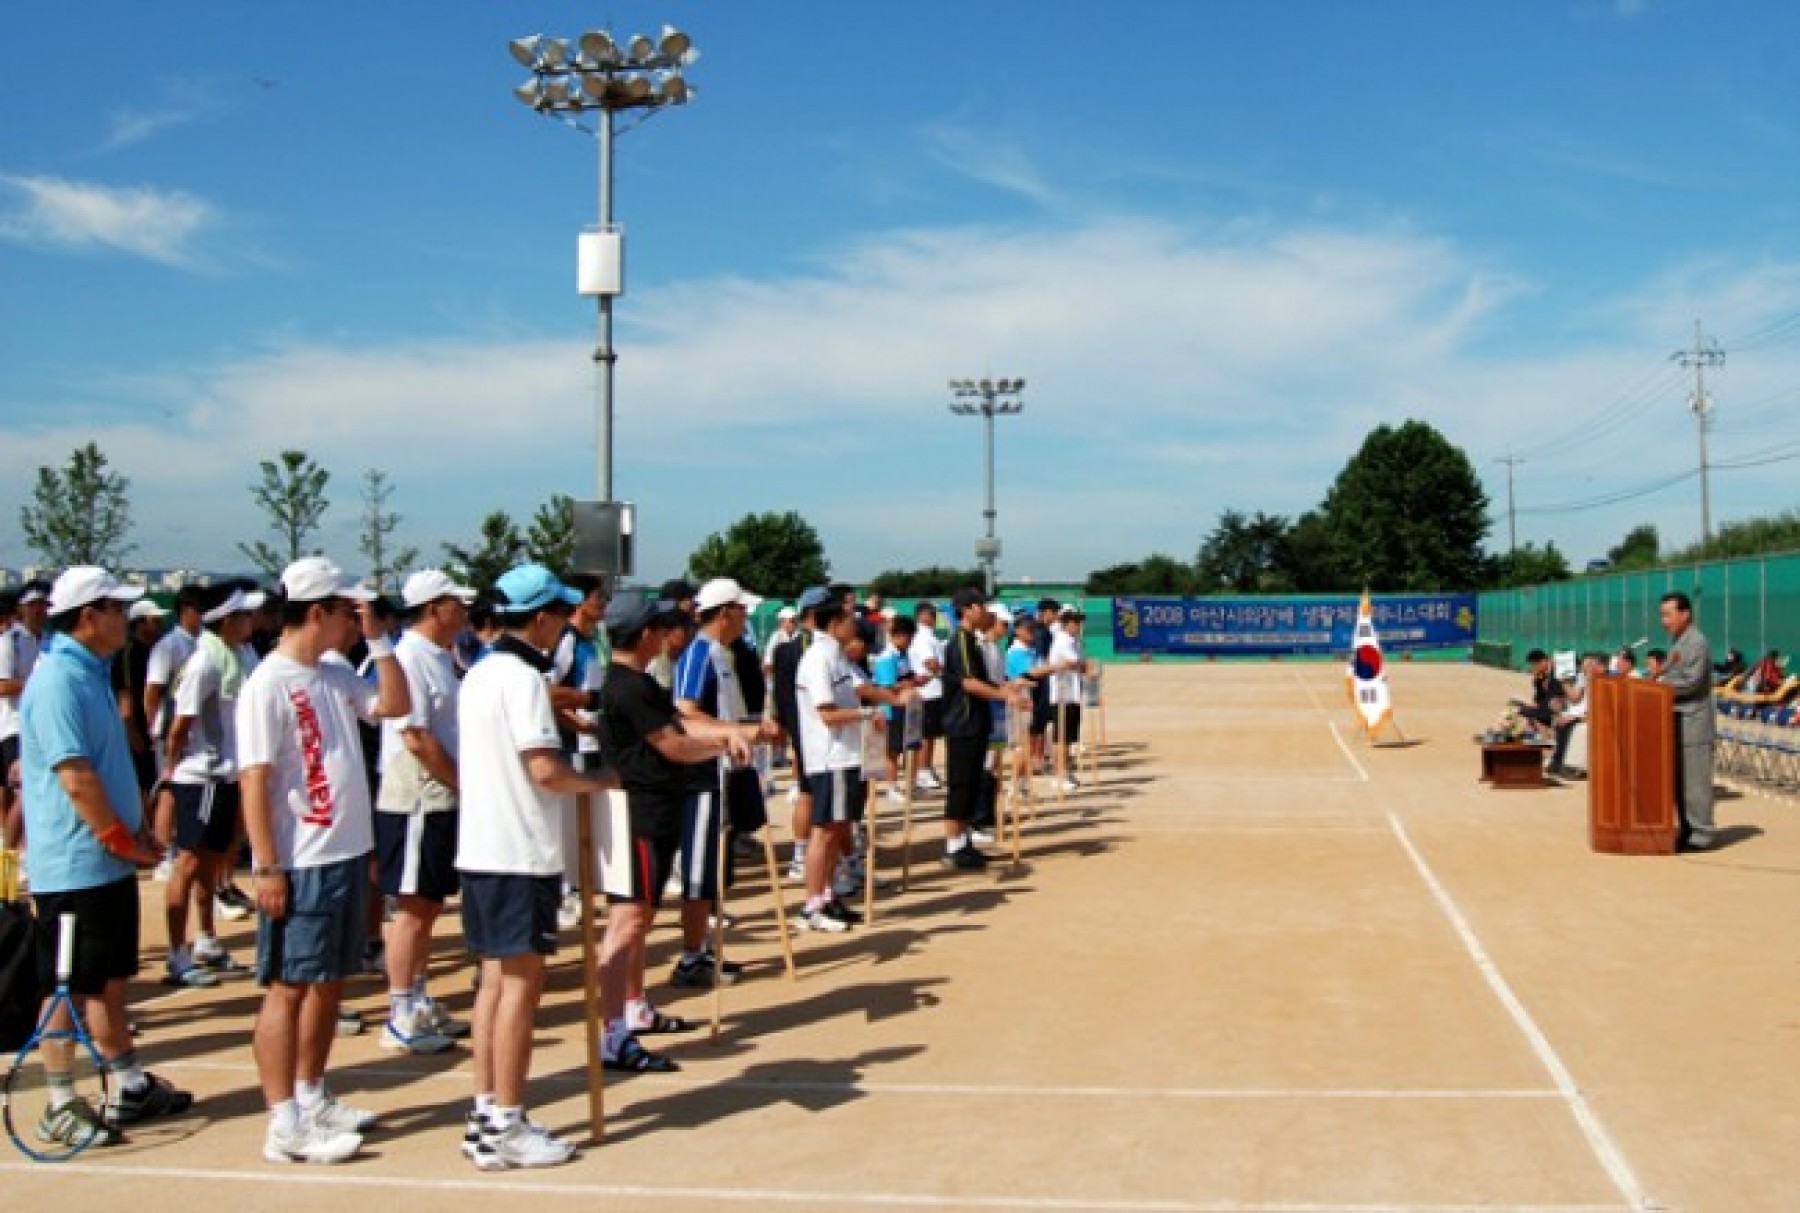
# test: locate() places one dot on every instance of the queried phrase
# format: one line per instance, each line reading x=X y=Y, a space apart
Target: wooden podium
x=1631 y=767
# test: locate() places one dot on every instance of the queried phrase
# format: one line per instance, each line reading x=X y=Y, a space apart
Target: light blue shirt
x=68 y=711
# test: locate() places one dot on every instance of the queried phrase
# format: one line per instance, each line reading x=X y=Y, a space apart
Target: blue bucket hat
x=817 y=596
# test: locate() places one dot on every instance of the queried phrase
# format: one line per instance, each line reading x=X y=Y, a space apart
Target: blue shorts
x=505 y=914
x=321 y=939
x=837 y=797
x=415 y=854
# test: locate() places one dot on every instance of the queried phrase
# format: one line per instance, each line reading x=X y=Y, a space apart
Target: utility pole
x=1512 y=522
x=1704 y=354
x=987 y=399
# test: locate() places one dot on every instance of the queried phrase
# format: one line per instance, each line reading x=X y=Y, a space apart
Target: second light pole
x=987 y=398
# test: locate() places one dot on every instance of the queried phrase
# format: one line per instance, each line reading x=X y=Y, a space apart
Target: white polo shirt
x=167 y=657
x=1065 y=686
x=211 y=752
x=300 y=721
x=431 y=680
x=927 y=647
x=508 y=825
x=826 y=680
x=18 y=654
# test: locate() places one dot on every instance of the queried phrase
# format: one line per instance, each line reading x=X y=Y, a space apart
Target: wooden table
x=1513 y=764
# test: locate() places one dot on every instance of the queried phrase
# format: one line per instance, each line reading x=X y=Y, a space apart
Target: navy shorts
x=837 y=797
x=106 y=935
x=932 y=723
x=506 y=914
x=206 y=816
x=9 y=754
x=416 y=854
x=321 y=939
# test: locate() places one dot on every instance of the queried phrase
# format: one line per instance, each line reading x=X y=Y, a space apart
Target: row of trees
x=81 y=514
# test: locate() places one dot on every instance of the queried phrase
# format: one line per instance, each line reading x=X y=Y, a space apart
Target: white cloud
x=56 y=214
x=178 y=103
x=1173 y=371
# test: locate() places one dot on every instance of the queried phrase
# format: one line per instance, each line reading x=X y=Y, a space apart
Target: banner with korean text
x=1310 y=626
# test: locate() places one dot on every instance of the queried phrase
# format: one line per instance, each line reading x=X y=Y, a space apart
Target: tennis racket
x=54 y=1100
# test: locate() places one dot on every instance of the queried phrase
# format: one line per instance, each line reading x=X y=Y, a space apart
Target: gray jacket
x=1689 y=675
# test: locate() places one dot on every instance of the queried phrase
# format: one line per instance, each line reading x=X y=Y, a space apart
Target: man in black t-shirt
x=644 y=738
x=129 y=668
x=968 y=721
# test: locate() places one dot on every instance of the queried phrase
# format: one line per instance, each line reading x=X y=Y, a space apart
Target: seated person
x=1654 y=663
x=1574 y=717
x=1624 y=664
x=1731 y=668
x=1768 y=685
x=1549 y=702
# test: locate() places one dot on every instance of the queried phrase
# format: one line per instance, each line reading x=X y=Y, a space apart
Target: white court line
x=294 y=1176
x=1307 y=687
x=1598 y=1139
x=958 y=1090
x=1339 y=738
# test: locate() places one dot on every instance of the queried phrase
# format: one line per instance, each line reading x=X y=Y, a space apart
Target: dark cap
x=634 y=610
x=1049 y=604
x=967 y=597
x=677 y=591
x=1535 y=656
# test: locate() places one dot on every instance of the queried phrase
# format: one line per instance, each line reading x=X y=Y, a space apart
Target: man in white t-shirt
x=927 y=660
x=831 y=722
x=203 y=776
x=306 y=808
x=517 y=786
x=416 y=809
x=1068 y=665
x=19 y=646
x=166 y=659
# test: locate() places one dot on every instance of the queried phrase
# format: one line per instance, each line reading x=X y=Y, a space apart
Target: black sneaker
x=697 y=971
x=841 y=912
x=231 y=895
x=156 y=1097
x=966 y=860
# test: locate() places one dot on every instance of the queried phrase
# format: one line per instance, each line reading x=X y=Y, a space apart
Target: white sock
x=505 y=1118
x=638 y=1011
x=617 y=1030
x=484 y=1105
x=309 y=1095
x=400 y=1005
x=180 y=959
x=955 y=843
x=800 y=853
x=285 y=1116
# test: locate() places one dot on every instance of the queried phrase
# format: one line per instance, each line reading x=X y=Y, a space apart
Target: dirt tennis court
x=1254 y=965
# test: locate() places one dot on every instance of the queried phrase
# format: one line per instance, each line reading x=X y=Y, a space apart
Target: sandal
x=634 y=1058
x=662 y=1025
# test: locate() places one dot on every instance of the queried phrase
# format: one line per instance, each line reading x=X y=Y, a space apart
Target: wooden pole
x=871 y=805
x=775 y=891
x=911 y=775
x=590 y=966
x=1060 y=766
x=718 y=924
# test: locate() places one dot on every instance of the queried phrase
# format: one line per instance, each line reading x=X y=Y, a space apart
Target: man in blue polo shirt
x=84 y=818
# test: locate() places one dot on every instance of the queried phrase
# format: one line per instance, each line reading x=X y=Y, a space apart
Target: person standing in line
x=787 y=715
x=1688 y=672
x=416 y=810
x=85 y=819
x=144 y=623
x=309 y=819
x=19 y=647
x=1068 y=672
x=927 y=660
x=968 y=724
x=517 y=785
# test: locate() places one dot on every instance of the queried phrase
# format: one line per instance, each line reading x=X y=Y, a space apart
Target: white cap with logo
x=723 y=591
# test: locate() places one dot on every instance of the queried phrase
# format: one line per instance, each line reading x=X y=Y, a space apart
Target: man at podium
x=1688 y=672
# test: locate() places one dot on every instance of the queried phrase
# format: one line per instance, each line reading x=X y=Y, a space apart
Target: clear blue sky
x=1220 y=240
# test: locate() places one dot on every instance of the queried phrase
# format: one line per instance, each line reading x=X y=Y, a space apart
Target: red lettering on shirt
x=320 y=811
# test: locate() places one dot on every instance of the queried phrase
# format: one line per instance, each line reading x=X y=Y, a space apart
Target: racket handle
x=65 y=947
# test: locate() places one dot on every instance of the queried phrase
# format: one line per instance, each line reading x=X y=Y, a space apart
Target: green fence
x=1751 y=604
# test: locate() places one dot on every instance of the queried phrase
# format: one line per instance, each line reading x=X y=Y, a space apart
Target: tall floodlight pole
x=595 y=74
x=987 y=398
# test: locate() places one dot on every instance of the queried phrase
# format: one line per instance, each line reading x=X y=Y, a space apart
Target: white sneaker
x=928 y=780
x=982 y=838
x=442 y=1022
x=337 y=1117
x=794 y=794
x=164 y=870
x=896 y=793
x=523 y=1144
x=414 y=1033
x=229 y=911
x=568 y=914
x=796 y=871
x=310 y=1142
x=1071 y=784
x=478 y=1143
x=823 y=923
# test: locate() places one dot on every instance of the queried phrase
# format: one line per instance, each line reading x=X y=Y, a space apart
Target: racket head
x=54 y=1099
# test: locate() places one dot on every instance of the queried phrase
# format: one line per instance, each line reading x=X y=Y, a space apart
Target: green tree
x=292 y=494
x=1638 y=550
x=550 y=539
x=1245 y=556
x=500 y=548
x=81 y=514
x=1407 y=514
x=1308 y=556
x=922 y=583
x=777 y=555
x=1529 y=565
x=1156 y=574
x=1748 y=537
x=378 y=526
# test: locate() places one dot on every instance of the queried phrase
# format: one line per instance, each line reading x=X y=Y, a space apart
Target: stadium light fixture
x=595 y=74
x=987 y=399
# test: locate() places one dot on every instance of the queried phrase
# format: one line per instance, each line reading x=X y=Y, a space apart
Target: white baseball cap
x=787 y=613
x=315 y=578
x=233 y=604
x=1001 y=612
x=87 y=583
x=429 y=585
x=255 y=600
x=723 y=591
x=146 y=608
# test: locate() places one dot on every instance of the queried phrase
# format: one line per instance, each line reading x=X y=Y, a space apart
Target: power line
x=1703 y=355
